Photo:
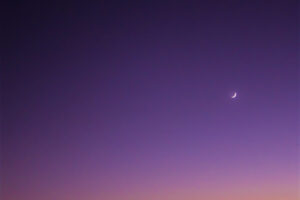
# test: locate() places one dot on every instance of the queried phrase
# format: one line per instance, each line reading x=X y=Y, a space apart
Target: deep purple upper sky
x=124 y=96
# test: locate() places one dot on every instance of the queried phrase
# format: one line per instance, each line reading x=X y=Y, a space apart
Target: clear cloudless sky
x=131 y=100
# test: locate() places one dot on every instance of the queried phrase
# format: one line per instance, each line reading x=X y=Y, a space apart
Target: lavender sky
x=124 y=100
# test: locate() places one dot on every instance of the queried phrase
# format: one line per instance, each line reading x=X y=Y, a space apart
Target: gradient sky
x=131 y=101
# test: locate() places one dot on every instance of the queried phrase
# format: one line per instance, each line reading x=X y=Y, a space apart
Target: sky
x=124 y=100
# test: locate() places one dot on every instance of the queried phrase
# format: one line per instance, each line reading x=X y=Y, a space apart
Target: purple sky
x=131 y=101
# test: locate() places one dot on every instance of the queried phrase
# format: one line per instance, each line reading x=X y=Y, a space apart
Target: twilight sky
x=124 y=100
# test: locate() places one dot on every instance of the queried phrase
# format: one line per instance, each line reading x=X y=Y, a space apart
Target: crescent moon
x=234 y=95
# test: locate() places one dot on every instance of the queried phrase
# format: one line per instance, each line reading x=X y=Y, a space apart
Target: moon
x=234 y=95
